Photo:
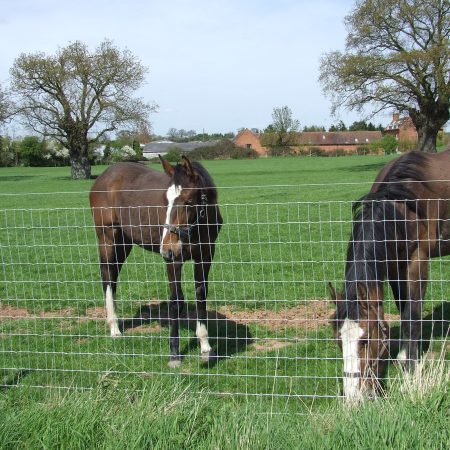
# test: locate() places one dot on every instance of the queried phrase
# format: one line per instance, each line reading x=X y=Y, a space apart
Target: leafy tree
x=5 y=105
x=397 y=56
x=388 y=143
x=77 y=97
x=137 y=149
x=338 y=127
x=32 y=150
x=284 y=125
x=313 y=128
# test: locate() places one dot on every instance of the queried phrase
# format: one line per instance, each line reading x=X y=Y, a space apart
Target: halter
x=185 y=232
x=380 y=352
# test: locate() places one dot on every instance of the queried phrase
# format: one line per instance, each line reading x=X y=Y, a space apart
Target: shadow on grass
x=434 y=325
x=226 y=336
x=13 y=379
x=15 y=177
x=363 y=167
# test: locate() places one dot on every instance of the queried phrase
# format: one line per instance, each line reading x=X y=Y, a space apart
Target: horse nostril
x=169 y=255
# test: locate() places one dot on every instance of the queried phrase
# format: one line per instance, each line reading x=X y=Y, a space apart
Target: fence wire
x=268 y=304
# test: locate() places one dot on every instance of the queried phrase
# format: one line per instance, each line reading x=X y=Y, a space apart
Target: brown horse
x=174 y=213
x=397 y=227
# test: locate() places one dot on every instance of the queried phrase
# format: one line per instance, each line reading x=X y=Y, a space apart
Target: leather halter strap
x=352 y=374
x=186 y=231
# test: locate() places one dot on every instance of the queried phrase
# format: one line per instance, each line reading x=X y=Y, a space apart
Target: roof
x=398 y=122
x=337 y=137
x=164 y=146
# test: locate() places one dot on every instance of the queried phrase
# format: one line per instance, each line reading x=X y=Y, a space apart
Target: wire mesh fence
x=268 y=304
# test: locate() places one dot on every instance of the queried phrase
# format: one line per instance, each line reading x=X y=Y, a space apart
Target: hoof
x=116 y=333
x=207 y=357
x=174 y=363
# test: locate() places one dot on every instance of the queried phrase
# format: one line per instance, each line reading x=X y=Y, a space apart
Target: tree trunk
x=427 y=141
x=81 y=167
x=428 y=122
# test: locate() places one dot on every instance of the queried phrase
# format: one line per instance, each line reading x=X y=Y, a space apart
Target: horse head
x=362 y=334
x=186 y=207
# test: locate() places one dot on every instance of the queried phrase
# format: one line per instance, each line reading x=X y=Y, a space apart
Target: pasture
x=286 y=226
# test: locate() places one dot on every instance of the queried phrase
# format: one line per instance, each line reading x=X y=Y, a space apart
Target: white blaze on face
x=172 y=194
x=351 y=332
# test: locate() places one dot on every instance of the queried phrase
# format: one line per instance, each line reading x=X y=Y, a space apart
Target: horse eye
x=190 y=202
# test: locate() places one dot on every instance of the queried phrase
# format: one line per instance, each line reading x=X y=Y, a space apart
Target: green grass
x=286 y=227
x=178 y=417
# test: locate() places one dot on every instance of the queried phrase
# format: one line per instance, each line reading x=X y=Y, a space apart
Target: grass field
x=286 y=226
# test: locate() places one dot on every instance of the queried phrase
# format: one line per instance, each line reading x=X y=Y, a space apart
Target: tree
x=397 y=57
x=313 y=128
x=32 y=151
x=284 y=124
x=338 y=127
x=5 y=105
x=77 y=97
x=172 y=133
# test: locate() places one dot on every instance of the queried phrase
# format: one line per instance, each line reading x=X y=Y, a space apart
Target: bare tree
x=77 y=97
x=284 y=125
x=6 y=108
x=397 y=57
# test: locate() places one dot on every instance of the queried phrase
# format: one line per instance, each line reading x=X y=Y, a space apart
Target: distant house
x=250 y=139
x=349 y=141
x=402 y=128
x=153 y=149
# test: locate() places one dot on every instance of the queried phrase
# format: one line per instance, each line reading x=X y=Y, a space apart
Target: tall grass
x=177 y=417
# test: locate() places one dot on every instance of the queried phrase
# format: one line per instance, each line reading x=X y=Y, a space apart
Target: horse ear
x=168 y=168
x=333 y=292
x=186 y=163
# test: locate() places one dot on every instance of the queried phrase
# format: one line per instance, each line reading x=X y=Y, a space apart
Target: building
x=402 y=128
x=153 y=149
x=250 y=139
x=348 y=141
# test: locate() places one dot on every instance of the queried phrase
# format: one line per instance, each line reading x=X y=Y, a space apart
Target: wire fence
x=268 y=304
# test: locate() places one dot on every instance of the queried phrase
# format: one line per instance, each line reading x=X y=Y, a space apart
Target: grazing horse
x=174 y=213
x=397 y=227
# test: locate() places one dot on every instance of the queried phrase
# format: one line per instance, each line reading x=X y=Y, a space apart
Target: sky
x=213 y=66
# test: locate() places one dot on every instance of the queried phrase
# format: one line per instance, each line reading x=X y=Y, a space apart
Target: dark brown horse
x=174 y=213
x=397 y=227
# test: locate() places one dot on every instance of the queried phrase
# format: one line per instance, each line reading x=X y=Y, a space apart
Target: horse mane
x=204 y=181
x=380 y=231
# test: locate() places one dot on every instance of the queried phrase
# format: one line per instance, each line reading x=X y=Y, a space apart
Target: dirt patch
x=308 y=316
x=267 y=345
x=144 y=329
x=392 y=318
x=95 y=313
x=12 y=312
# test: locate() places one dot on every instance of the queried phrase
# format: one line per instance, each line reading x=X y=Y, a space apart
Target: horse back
x=130 y=196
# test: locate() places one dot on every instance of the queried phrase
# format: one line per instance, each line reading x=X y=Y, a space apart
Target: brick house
x=349 y=141
x=402 y=128
x=250 y=139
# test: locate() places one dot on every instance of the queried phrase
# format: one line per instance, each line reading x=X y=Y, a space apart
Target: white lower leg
x=111 y=317
x=401 y=357
x=202 y=334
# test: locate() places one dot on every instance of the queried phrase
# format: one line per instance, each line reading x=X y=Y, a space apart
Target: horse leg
x=417 y=275
x=201 y=272
x=176 y=307
x=113 y=253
